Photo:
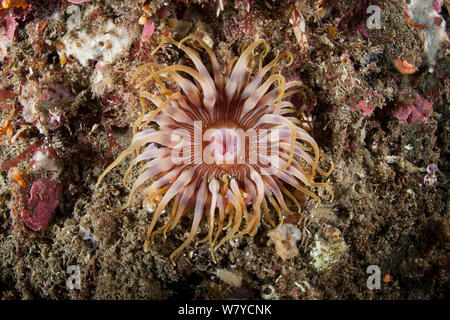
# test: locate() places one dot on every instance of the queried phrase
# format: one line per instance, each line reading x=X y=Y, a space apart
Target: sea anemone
x=6 y=4
x=225 y=141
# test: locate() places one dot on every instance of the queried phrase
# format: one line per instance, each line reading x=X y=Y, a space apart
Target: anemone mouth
x=249 y=147
x=225 y=146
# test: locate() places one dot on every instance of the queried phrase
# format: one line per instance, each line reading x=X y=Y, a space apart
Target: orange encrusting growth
x=6 y=4
x=244 y=96
x=404 y=66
